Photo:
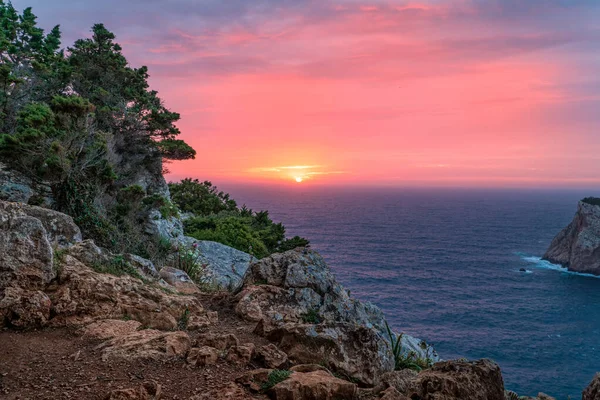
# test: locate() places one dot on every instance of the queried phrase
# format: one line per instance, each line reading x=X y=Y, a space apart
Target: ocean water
x=444 y=266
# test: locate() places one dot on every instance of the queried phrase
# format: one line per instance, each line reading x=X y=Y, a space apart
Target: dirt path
x=60 y=364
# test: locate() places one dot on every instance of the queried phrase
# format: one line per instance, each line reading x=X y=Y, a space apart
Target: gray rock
x=168 y=228
x=577 y=247
x=28 y=237
x=223 y=265
x=144 y=267
x=592 y=392
x=179 y=280
x=290 y=290
x=16 y=187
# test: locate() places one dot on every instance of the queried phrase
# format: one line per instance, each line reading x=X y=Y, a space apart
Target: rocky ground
x=285 y=330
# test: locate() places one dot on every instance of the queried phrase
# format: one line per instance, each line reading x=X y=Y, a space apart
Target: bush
x=275 y=377
x=217 y=218
x=595 y=201
x=409 y=360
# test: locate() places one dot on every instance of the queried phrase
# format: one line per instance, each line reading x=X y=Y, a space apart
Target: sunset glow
x=436 y=92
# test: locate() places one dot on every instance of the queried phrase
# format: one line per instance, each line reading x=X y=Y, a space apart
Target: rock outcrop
x=577 y=247
x=592 y=392
x=223 y=265
x=46 y=278
x=458 y=380
x=299 y=305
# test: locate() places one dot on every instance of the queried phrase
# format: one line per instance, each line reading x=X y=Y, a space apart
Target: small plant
x=58 y=259
x=187 y=259
x=408 y=360
x=182 y=324
x=275 y=377
x=311 y=317
x=117 y=266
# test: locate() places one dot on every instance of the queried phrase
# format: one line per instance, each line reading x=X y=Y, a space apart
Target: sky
x=499 y=93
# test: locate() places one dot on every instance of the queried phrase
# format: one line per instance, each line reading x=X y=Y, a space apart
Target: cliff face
x=577 y=246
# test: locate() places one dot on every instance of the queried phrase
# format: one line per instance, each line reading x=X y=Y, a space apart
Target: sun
x=299 y=179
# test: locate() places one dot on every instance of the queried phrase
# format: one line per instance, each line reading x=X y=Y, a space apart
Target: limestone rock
x=297 y=287
x=147 y=391
x=179 y=280
x=458 y=380
x=271 y=356
x=147 y=344
x=224 y=265
x=24 y=309
x=241 y=354
x=89 y=254
x=399 y=380
x=221 y=342
x=577 y=247
x=110 y=328
x=144 y=267
x=352 y=350
x=255 y=379
x=592 y=392
x=202 y=356
x=202 y=322
x=81 y=296
x=317 y=385
x=308 y=368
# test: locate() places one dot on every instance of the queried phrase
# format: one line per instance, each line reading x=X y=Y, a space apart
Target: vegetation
x=187 y=259
x=407 y=360
x=311 y=317
x=117 y=266
x=84 y=123
x=217 y=217
x=595 y=201
x=275 y=377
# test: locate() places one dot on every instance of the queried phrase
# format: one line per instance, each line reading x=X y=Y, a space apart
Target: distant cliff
x=577 y=246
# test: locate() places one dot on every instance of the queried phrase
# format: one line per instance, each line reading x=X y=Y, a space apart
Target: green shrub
x=408 y=360
x=595 y=201
x=117 y=266
x=275 y=377
x=187 y=259
x=311 y=317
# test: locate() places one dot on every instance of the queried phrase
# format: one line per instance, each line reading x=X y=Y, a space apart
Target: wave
x=544 y=264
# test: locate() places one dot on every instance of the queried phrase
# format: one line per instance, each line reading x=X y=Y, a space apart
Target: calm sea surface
x=444 y=266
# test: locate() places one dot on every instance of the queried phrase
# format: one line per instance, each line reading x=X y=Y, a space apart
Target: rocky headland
x=286 y=329
x=577 y=246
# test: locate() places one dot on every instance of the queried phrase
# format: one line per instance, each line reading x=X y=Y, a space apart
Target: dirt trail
x=60 y=364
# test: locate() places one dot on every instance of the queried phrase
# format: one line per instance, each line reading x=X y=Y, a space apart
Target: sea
x=445 y=266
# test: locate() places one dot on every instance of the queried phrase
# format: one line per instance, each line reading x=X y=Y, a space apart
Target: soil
x=61 y=364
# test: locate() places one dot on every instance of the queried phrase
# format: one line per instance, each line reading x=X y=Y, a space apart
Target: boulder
x=22 y=309
x=577 y=247
x=223 y=265
x=254 y=379
x=110 y=328
x=202 y=322
x=592 y=392
x=202 y=356
x=147 y=344
x=144 y=267
x=218 y=341
x=271 y=357
x=241 y=354
x=146 y=391
x=459 y=380
x=179 y=280
x=317 y=385
x=81 y=296
x=297 y=302
x=399 y=380
x=352 y=350
x=26 y=248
